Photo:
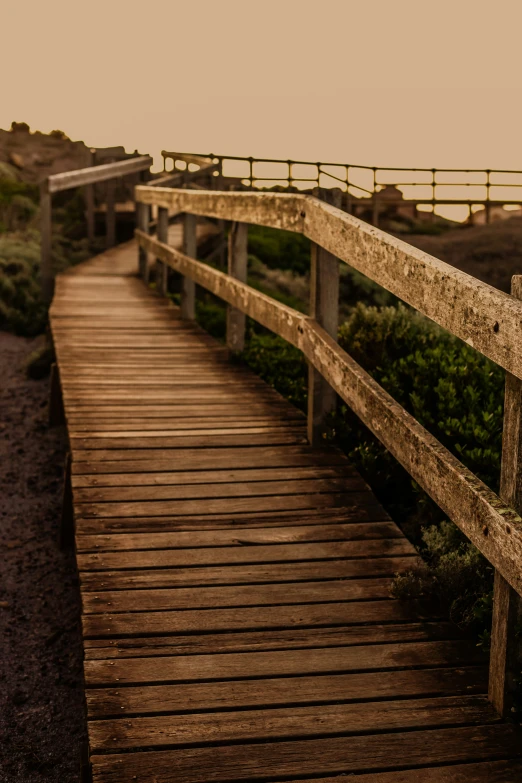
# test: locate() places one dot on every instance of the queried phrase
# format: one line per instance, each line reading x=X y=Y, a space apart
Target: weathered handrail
x=87 y=177
x=485 y=317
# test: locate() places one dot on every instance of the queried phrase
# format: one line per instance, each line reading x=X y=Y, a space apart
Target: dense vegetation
x=21 y=308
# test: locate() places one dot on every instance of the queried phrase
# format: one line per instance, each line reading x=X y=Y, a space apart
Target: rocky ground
x=42 y=719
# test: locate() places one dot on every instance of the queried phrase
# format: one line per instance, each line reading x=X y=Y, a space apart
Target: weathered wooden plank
x=124 y=425
x=195 y=621
x=107 y=460
x=282 y=663
x=221 y=505
x=250 y=574
x=267 y=639
x=223 y=555
x=212 y=476
x=238 y=537
x=233 y=694
x=250 y=618
x=368 y=512
x=482 y=772
x=104 y=601
x=218 y=490
x=263 y=437
x=116 y=413
x=314 y=756
x=289 y=723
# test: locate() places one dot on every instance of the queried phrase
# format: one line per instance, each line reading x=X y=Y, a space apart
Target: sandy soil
x=42 y=720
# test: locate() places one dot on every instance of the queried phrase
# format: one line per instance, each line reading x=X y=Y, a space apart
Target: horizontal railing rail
x=485 y=318
x=88 y=176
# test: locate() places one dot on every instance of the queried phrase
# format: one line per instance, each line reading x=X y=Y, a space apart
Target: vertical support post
x=163 y=236
x=218 y=185
x=375 y=200
x=324 y=308
x=348 y=197
x=433 y=192
x=89 y=206
x=110 y=215
x=251 y=172
x=506 y=602
x=487 y=205
x=237 y=267
x=188 y=288
x=89 y=212
x=46 y=272
x=142 y=220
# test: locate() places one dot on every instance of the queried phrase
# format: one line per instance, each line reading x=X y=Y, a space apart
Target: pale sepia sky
x=378 y=82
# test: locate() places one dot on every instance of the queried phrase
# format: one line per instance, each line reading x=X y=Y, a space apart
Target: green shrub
x=280 y=249
x=451 y=389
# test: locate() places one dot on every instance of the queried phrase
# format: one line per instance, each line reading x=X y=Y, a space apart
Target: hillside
x=493 y=253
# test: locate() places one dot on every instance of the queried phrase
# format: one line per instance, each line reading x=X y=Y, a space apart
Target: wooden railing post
x=142 y=222
x=163 y=236
x=46 y=272
x=188 y=288
x=237 y=267
x=506 y=602
x=324 y=308
x=110 y=214
x=89 y=207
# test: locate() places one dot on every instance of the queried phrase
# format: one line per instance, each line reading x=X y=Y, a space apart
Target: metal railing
x=365 y=186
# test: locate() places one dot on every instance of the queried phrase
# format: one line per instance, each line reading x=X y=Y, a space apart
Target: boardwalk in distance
x=237 y=621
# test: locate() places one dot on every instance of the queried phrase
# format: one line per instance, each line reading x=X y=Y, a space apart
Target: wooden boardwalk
x=237 y=621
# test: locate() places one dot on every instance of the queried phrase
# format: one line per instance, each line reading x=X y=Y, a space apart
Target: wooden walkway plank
x=237 y=617
x=283 y=759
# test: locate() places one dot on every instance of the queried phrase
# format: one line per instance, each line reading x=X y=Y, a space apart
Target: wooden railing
x=75 y=179
x=363 y=186
x=484 y=317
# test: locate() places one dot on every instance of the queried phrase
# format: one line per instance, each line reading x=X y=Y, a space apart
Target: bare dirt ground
x=42 y=721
